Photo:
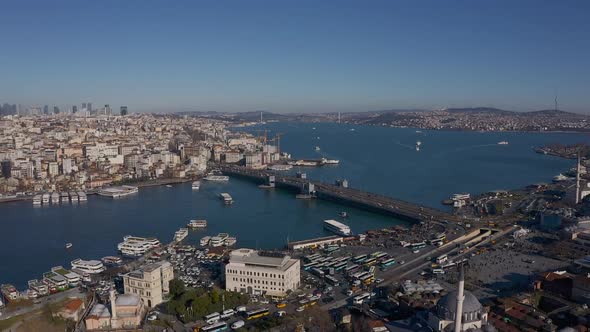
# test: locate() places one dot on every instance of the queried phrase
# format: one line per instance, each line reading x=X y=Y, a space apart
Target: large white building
x=255 y=272
x=151 y=282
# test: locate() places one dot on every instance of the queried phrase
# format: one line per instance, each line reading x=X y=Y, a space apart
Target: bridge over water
x=345 y=195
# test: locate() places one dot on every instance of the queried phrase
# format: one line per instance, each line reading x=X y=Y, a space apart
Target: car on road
x=152 y=317
x=236 y=325
x=281 y=313
x=300 y=309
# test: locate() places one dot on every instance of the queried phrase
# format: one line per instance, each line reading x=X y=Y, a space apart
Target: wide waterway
x=378 y=159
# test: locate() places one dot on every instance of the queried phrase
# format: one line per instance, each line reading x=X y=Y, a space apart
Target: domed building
x=472 y=316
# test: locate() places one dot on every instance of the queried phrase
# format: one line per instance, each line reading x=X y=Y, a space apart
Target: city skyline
x=304 y=57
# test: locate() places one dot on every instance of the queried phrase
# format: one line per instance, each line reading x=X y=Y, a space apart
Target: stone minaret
x=578 y=180
x=113 y=298
x=460 y=298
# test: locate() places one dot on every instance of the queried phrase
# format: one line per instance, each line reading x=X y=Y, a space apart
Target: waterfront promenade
x=348 y=196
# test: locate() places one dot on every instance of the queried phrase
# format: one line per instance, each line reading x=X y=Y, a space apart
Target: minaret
x=460 y=298
x=113 y=299
x=578 y=180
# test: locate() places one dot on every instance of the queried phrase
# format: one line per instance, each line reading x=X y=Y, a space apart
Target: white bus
x=438 y=271
x=441 y=259
x=212 y=318
x=361 y=298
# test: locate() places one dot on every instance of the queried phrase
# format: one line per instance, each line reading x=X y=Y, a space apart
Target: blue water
x=372 y=158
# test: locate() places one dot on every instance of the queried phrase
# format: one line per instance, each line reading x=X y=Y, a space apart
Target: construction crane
x=277 y=141
x=264 y=138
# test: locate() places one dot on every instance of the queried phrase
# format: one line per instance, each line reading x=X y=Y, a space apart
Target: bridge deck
x=350 y=196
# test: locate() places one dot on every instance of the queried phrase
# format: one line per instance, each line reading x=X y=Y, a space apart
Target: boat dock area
x=346 y=195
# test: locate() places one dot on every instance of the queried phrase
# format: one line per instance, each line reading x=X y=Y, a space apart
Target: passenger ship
x=137 y=246
x=227 y=199
x=337 y=227
x=92 y=266
x=196 y=185
x=205 y=241
x=112 y=260
x=180 y=234
x=197 y=224
x=216 y=178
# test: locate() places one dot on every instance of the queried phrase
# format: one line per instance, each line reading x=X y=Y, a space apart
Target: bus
x=318 y=272
x=361 y=298
x=340 y=266
x=333 y=281
x=370 y=261
x=378 y=254
x=358 y=275
x=438 y=271
x=332 y=248
x=308 y=266
x=216 y=327
x=311 y=258
x=418 y=245
x=369 y=280
x=442 y=259
x=343 y=259
x=351 y=269
x=387 y=263
x=359 y=258
x=372 y=270
x=256 y=313
x=212 y=318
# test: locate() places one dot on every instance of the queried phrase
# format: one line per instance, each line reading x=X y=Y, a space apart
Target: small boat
x=317 y=148
x=169 y=186
x=196 y=185
x=418 y=144
x=197 y=224
x=343 y=214
x=69 y=245
x=227 y=199
x=503 y=143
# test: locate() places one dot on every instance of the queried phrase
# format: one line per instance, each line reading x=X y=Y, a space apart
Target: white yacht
x=63 y=197
x=317 y=148
x=92 y=266
x=205 y=241
x=503 y=143
x=54 y=198
x=217 y=178
x=196 y=185
x=330 y=161
x=37 y=200
x=45 y=198
x=82 y=196
x=197 y=224
x=73 y=196
x=180 y=234
x=337 y=227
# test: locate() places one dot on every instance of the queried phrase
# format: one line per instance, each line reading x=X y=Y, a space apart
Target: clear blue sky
x=293 y=56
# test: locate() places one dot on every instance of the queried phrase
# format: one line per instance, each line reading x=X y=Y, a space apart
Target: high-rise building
x=151 y=282
x=74 y=109
x=123 y=110
x=55 y=110
x=251 y=271
x=46 y=109
x=89 y=107
x=6 y=168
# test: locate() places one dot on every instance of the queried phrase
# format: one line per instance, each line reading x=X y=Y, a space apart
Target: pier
x=344 y=195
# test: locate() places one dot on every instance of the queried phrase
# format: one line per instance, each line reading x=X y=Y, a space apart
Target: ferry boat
x=330 y=161
x=337 y=227
x=112 y=260
x=82 y=196
x=54 y=198
x=91 y=266
x=137 y=246
x=317 y=148
x=503 y=143
x=216 y=241
x=197 y=224
x=45 y=198
x=73 y=196
x=72 y=279
x=303 y=163
x=9 y=292
x=205 y=241
x=69 y=245
x=180 y=234
x=227 y=199
x=116 y=192
x=38 y=287
x=279 y=167
x=230 y=241
x=196 y=185
x=216 y=178
x=37 y=200
x=418 y=144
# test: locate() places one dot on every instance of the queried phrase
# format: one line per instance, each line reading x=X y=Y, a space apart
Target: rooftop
x=253 y=257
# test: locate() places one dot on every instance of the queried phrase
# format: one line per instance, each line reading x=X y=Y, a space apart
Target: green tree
x=176 y=288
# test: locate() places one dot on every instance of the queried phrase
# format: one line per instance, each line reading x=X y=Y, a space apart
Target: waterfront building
x=258 y=272
x=150 y=282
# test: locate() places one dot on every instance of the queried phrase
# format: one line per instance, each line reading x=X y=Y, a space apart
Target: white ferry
x=205 y=241
x=137 y=246
x=197 y=224
x=180 y=234
x=82 y=196
x=92 y=266
x=216 y=178
x=230 y=241
x=196 y=185
x=503 y=143
x=227 y=199
x=216 y=241
x=330 y=161
x=279 y=167
x=54 y=198
x=45 y=198
x=303 y=163
x=37 y=200
x=73 y=196
x=337 y=227
x=116 y=192
x=317 y=148
x=112 y=260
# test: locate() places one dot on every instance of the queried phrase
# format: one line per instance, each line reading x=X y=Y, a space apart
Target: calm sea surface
x=382 y=160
